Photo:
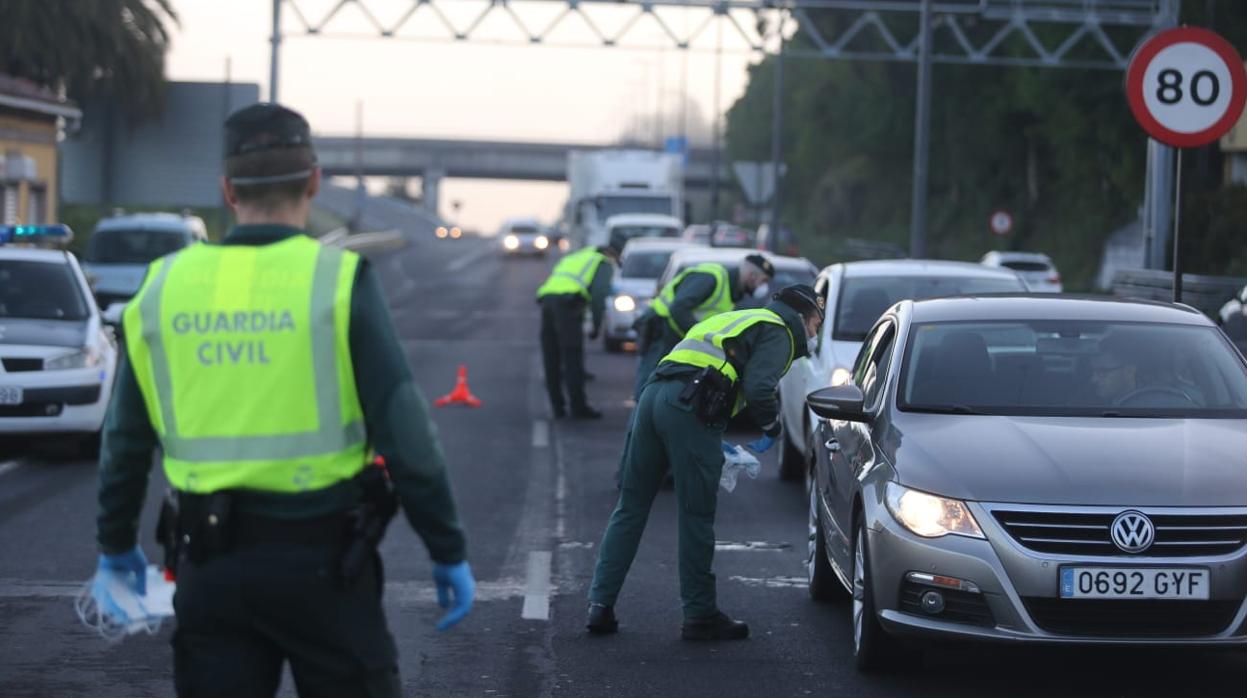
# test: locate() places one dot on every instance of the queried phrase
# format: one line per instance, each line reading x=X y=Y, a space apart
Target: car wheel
x=873 y=649
x=821 y=579
x=792 y=464
x=613 y=346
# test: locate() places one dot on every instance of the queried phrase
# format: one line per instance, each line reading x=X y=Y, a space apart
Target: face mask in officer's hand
x=761 y=290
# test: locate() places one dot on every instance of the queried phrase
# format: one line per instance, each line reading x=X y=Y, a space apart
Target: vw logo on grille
x=1133 y=532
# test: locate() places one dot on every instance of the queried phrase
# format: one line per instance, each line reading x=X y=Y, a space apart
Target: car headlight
x=841 y=376
x=930 y=516
x=441 y=232
x=84 y=358
x=511 y=242
x=456 y=233
x=541 y=242
x=625 y=304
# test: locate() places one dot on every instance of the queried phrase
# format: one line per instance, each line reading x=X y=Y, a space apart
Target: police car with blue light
x=57 y=358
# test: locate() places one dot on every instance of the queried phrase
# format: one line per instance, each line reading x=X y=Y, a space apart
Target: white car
x=788 y=270
x=640 y=265
x=643 y=225
x=121 y=248
x=58 y=360
x=857 y=293
x=1036 y=269
x=524 y=236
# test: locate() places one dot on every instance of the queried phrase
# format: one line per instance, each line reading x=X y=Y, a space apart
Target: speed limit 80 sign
x=1186 y=86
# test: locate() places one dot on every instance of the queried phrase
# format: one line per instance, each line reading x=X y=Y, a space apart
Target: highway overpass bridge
x=433 y=159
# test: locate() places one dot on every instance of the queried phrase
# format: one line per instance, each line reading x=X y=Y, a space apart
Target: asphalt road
x=534 y=496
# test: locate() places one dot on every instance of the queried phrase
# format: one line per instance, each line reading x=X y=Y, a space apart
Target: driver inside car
x=1120 y=377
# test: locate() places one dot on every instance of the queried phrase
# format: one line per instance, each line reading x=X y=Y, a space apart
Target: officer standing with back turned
x=265 y=369
x=699 y=292
x=725 y=364
x=579 y=280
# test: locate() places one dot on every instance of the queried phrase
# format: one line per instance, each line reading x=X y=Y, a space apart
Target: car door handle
x=832 y=445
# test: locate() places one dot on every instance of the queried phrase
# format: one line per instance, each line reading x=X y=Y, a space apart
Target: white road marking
x=9 y=465
x=772 y=582
x=403 y=593
x=537 y=586
x=471 y=258
x=541 y=433
x=752 y=546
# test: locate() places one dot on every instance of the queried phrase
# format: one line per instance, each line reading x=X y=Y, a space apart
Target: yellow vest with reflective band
x=573 y=274
x=720 y=301
x=703 y=345
x=242 y=356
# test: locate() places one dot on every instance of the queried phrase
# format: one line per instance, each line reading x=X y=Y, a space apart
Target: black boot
x=602 y=619
x=715 y=628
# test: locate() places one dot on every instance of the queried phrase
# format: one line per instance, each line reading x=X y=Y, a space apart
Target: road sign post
x=1186 y=87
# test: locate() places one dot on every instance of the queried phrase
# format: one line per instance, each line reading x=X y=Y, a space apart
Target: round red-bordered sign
x=1000 y=222
x=1176 y=86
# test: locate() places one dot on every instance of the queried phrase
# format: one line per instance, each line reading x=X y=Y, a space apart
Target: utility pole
x=716 y=135
x=777 y=134
x=357 y=219
x=275 y=55
x=922 y=139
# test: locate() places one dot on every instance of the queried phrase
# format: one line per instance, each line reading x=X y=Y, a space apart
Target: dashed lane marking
x=537 y=586
x=541 y=433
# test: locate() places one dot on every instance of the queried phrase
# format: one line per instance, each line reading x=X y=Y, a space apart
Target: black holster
x=710 y=394
x=167 y=532
x=205 y=525
x=365 y=524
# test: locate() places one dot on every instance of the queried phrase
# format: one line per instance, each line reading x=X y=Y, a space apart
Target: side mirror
x=112 y=314
x=838 y=402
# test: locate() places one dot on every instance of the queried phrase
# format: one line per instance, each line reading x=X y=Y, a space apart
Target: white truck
x=605 y=183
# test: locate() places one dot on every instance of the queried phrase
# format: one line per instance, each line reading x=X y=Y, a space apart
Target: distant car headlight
x=441 y=232
x=85 y=358
x=930 y=516
x=841 y=376
x=511 y=242
x=541 y=242
x=456 y=233
x=625 y=304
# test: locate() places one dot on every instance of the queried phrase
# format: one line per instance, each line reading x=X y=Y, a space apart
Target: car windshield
x=1072 y=369
x=132 y=246
x=645 y=265
x=645 y=231
x=1025 y=266
x=863 y=300
x=614 y=205
x=40 y=291
x=525 y=229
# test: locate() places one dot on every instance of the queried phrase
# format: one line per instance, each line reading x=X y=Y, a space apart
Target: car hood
x=119 y=279
x=637 y=288
x=46 y=333
x=1074 y=461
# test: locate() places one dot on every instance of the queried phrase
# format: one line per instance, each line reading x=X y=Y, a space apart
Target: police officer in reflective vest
x=727 y=363
x=579 y=280
x=266 y=369
x=699 y=292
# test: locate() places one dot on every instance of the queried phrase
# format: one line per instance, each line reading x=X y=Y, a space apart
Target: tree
x=91 y=48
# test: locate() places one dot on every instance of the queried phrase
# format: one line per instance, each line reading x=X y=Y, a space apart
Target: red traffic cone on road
x=461 y=394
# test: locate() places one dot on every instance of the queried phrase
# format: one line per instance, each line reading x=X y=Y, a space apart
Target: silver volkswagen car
x=1034 y=468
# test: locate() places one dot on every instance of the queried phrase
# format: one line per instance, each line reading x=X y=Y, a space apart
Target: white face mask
x=761 y=291
x=812 y=344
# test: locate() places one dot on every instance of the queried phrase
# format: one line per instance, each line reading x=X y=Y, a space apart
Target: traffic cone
x=461 y=394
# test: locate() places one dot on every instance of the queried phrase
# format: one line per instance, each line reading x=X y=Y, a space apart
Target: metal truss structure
x=1044 y=33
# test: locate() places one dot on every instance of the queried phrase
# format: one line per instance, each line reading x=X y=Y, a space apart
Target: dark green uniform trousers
x=665 y=434
x=241 y=614
x=660 y=339
x=563 y=350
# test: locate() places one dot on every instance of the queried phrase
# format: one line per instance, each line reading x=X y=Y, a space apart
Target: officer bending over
x=699 y=292
x=579 y=280
x=265 y=369
x=727 y=363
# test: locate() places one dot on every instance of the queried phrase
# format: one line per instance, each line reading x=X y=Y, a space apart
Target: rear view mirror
x=838 y=402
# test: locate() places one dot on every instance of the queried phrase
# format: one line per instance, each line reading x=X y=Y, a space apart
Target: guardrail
x=1207 y=293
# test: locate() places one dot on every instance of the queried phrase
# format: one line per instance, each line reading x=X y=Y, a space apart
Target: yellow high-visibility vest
x=573 y=274
x=720 y=301
x=242 y=354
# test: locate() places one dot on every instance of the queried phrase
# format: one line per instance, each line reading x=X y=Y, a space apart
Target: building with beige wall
x=31 y=119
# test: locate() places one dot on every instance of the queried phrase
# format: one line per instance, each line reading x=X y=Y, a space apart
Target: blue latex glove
x=130 y=567
x=456 y=577
x=762 y=445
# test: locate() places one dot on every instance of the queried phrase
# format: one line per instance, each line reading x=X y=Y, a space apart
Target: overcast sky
x=422 y=88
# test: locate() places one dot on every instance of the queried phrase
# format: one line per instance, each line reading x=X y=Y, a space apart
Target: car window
x=874 y=369
x=525 y=229
x=132 y=246
x=1026 y=266
x=40 y=291
x=820 y=289
x=864 y=299
x=644 y=231
x=1073 y=368
x=645 y=265
x=860 y=365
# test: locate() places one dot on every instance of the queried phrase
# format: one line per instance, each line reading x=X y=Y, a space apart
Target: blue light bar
x=56 y=233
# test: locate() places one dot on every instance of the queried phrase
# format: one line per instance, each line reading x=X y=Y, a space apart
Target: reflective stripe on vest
x=243 y=358
x=703 y=346
x=573 y=274
x=719 y=301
